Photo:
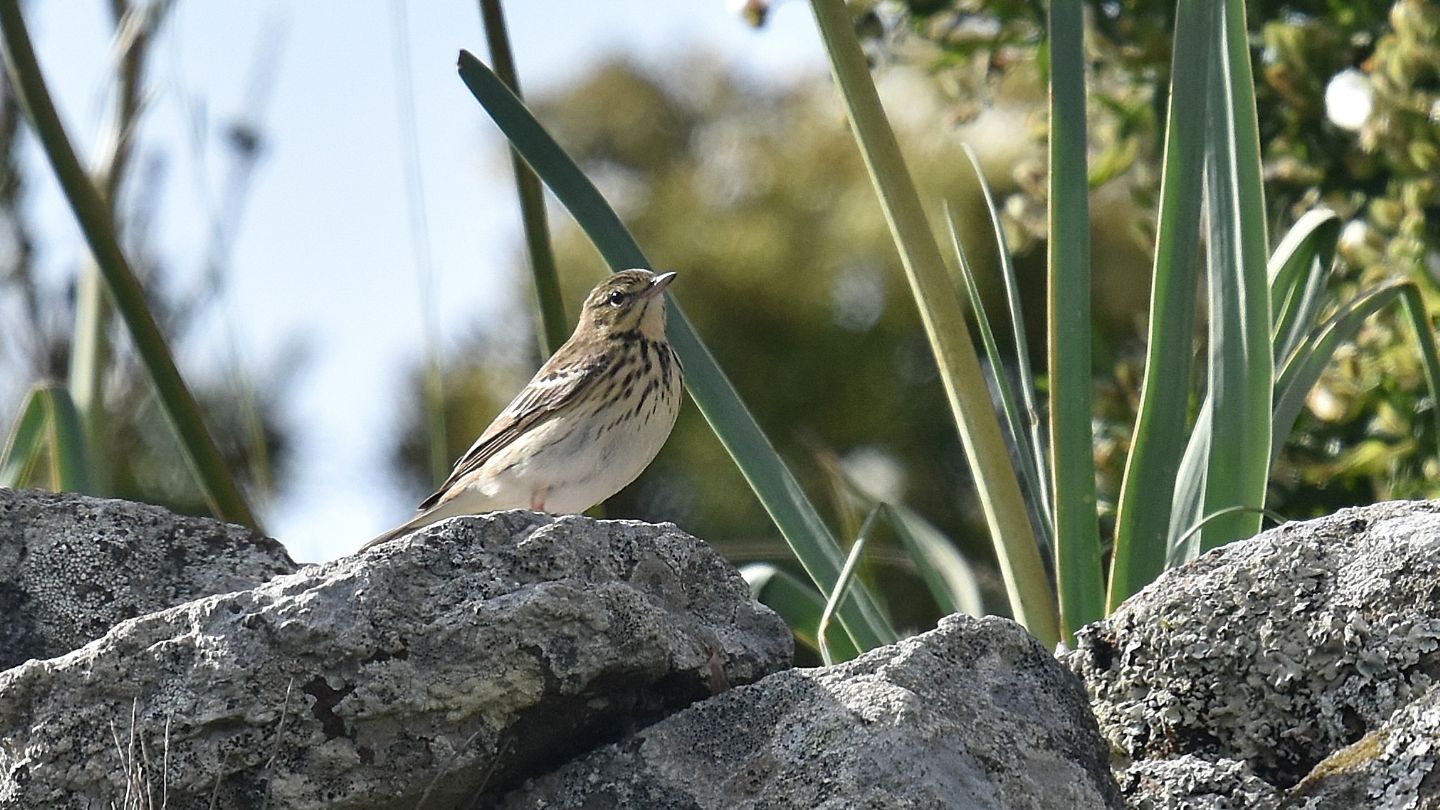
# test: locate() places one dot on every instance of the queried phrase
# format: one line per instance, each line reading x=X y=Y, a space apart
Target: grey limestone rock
x=1392 y=767
x=72 y=566
x=1276 y=651
x=425 y=672
x=1190 y=783
x=974 y=714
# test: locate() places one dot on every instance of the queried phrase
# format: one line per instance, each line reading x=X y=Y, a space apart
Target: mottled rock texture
x=1273 y=653
x=71 y=567
x=443 y=670
x=974 y=714
x=1188 y=782
x=1394 y=766
x=432 y=669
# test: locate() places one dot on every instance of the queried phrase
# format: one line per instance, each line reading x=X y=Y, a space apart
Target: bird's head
x=627 y=301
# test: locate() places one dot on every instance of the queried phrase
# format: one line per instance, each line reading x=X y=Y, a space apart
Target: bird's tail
x=435 y=514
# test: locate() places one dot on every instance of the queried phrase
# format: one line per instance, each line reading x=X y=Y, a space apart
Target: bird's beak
x=658 y=284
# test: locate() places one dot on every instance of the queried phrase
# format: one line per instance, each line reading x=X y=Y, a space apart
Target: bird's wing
x=558 y=384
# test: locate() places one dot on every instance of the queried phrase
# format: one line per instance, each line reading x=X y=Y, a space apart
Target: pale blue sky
x=324 y=253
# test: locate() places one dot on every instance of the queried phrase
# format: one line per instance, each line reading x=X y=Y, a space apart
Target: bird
x=587 y=424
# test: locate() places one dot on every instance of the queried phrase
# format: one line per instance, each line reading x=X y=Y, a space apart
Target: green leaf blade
x=1072 y=441
x=49 y=421
x=798 y=603
x=98 y=226
x=25 y=441
x=947 y=574
x=1298 y=270
x=1013 y=424
x=1314 y=354
x=1159 y=439
x=554 y=329
x=1012 y=535
x=1241 y=364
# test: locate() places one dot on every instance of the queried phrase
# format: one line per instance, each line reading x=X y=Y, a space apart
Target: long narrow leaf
x=1184 y=545
x=1014 y=423
x=1306 y=362
x=1314 y=354
x=771 y=480
x=98 y=226
x=1072 y=440
x=1026 y=582
x=847 y=573
x=1158 y=443
x=1184 y=539
x=25 y=441
x=1024 y=381
x=1429 y=349
x=1028 y=439
x=554 y=328
x=948 y=575
x=90 y=347
x=47 y=420
x=68 y=457
x=89 y=356
x=1298 y=270
x=1241 y=365
x=798 y=603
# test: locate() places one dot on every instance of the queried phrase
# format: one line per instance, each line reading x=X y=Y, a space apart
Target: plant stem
x=96 y=223
x=89 y=351
x=548 y=301
x=1010 y=530
x=1072 y=442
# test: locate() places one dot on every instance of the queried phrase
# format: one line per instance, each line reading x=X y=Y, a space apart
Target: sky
x=324 y=254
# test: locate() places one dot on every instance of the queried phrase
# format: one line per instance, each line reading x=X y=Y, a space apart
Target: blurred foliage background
x=1349 y=108
x=757 y=197
x=142 y=459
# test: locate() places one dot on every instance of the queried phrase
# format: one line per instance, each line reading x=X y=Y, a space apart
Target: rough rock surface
x=1191 y=783
x=974 y=714
x=1396 y=765
x=1275 y=651
x=71 y=567
x=429 y=670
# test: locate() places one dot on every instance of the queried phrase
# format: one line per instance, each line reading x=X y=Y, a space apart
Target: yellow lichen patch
x=495 y=696
x=1346 y=759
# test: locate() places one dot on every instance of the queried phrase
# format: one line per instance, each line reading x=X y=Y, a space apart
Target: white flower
x=1348 y=100
x=1354 y=235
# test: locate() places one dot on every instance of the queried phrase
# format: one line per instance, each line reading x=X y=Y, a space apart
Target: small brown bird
x=587 y=424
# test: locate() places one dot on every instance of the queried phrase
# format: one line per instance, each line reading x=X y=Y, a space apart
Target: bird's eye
x=616 y=298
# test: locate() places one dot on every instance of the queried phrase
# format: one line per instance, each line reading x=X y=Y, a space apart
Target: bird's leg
x=718 y=682
x=537 y=499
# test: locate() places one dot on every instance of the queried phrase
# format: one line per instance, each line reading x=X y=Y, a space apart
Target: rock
x=1275 y=651
x=432 y=669
x=974 y=714
x=1396 y=765
x=71 y=567
x=1191 y=783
